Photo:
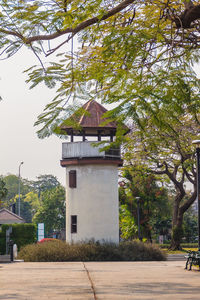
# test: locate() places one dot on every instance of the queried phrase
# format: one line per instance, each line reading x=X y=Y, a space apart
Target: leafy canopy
x=168 y=152
x=138 y=184
x=52 y=209
x=125 y=52
x=3 y=190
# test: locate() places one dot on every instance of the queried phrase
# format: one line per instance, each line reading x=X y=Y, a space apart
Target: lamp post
x=19 y=188
x=197 y=143
x=138 y=217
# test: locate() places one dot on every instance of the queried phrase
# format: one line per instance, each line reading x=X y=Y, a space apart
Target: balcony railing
x=86 y=149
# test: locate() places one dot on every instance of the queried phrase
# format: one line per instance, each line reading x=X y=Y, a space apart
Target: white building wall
x=95 y=202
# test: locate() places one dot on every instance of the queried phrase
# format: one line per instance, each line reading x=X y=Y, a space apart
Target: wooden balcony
x=86 y=150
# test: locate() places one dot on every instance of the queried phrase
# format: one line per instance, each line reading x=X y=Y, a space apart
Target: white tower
x=92 y=210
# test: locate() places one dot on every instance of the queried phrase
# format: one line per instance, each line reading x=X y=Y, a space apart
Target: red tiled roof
x=95 y=117
x=8 y=216
x=92 y=117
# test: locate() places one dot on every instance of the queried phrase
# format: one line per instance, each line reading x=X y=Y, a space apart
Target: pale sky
x=18 y=112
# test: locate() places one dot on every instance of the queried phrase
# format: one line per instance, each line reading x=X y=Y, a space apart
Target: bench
x=193 y=259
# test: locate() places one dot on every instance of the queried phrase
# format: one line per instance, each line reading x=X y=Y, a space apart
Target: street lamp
x=21 y=163
x=197 y=143
x=138 y=216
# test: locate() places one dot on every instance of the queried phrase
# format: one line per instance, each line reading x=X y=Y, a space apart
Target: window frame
x=73 y=224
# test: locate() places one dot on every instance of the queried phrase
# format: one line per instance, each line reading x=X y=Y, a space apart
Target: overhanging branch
x=75 y=30
x=190 y=14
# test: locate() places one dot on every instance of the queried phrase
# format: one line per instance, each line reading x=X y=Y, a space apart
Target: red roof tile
x=7 y=216
x=92 y=117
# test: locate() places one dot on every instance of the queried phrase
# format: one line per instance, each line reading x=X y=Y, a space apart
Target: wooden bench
x=193 y=259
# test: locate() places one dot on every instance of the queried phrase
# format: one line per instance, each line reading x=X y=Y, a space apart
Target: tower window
x=73 y=224
x=72 y=179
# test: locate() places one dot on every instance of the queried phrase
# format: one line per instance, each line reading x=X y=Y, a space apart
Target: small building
x=92 y=205
x=8 y=217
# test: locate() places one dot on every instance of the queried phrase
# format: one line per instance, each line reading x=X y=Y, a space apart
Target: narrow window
x=72 y=179
x=73 y=224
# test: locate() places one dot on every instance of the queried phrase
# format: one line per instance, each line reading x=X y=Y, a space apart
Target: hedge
x=22 y=234
x=56 y=250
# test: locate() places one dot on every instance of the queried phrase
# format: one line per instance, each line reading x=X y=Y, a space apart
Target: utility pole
x=19 y=201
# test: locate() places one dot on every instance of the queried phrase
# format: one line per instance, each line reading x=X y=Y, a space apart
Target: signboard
x=40 y=231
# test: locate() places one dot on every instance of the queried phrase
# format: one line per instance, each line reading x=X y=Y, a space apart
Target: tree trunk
x=177 y=222
x=177 y=233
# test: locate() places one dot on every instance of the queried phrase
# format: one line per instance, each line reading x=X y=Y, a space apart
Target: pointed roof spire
x=91 y=121
x=94 y=116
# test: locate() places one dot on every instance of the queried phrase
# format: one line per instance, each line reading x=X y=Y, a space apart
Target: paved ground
x=99 y=280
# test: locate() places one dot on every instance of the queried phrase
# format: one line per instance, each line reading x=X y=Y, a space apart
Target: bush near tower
x=60 y=251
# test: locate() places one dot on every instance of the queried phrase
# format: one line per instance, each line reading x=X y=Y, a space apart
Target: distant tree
x=29 y=194
x=127 y=223
x=32 y=199
x=45 y=183
x=190 y=226
x=3 y=190
x=167 y=151
x=25 y=211
x=52 y=209
x=12 y=185
x=25 y=208
x=154 y=203
x=163 y=226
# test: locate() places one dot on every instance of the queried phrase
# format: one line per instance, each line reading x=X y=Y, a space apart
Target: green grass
x=183 y=245
x=183 y=251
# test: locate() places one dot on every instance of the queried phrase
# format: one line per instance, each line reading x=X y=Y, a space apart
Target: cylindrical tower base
x=92 y=209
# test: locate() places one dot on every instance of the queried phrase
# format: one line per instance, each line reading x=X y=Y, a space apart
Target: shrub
x=138 y=251
x=22 y=234
x=60 y=251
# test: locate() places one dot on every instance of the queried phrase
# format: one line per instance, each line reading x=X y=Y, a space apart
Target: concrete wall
x=95 y=202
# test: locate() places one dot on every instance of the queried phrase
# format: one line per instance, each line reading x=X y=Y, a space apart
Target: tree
x=12 y=185
x=52 y=210
x=123 y=45
x=138 y=181
x=138 y=55
x=3 y=190
x=169 y=153
x=32 y=199
x=44 y=183
x=190 y=226
x=127 y=224
x=25 y=209
x=29 y=193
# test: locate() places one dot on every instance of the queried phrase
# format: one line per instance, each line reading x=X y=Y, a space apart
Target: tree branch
x=13 y=33
x=178 y=185
x=189 y=202
x=75 y=30
x=190 y=14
